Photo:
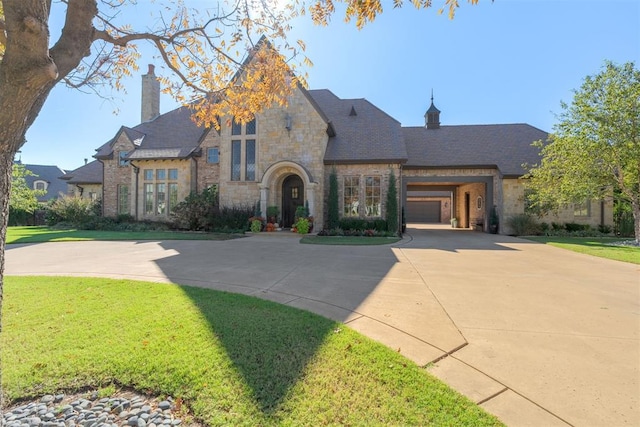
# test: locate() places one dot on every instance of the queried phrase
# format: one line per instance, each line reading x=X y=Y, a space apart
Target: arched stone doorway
x=292 y=197
x=287 y=184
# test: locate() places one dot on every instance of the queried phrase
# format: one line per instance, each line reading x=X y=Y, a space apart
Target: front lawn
x=596 y=246
x=48 y=234
x=234 y=360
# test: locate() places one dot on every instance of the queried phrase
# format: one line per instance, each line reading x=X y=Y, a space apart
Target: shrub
x=523 y=225
x=302 y=226
x=333 y=215
x=256 y=226
x=74 y=210
x=196 y=210
x=573 y=226
x=604 y=229
x=392 y=204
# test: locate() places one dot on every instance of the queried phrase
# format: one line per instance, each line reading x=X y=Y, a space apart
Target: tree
x=204 y=50
x=333 y=216
x=23 y=200
x=595 y=147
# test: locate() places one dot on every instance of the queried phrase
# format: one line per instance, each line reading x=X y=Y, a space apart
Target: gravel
x=125 y=408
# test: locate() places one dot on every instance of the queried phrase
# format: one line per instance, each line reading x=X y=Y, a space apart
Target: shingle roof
x=49 y=174
x=173 y=130
x=91 y=173
x=369 y=135
x=506 y=146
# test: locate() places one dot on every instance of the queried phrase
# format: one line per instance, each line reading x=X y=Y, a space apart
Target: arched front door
x=292 y=197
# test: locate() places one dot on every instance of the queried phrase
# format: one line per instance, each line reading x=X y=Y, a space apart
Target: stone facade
x=114 y=175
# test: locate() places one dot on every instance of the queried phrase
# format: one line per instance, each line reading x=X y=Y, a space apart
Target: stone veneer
x=114 y=175
x=362 y=171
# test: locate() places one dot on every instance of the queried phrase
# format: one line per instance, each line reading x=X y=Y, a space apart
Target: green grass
x=348 y=240
x=48 y=234
x=596 y=246
x=234 y=360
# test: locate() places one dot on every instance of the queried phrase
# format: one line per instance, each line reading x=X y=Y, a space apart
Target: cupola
x=432 y=116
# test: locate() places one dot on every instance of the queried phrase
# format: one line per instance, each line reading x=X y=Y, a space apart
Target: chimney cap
x=151 y=69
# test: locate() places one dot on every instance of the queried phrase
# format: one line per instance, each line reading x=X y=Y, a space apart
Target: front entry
x=292 y=197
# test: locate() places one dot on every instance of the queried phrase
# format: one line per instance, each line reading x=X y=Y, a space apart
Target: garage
x=423 y=211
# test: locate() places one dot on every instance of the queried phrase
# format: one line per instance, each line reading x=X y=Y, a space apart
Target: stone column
x=311 y=198
x=264 y=197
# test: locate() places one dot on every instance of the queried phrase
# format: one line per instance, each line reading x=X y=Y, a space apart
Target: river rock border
x=125 y=408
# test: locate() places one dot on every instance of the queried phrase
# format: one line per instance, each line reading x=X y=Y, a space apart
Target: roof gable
x=369 y=135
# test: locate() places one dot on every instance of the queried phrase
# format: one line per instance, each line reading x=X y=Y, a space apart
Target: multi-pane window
x=173 y=195
x=351 y=195
x=123 y=199
x=121 y=158
x=148 y=199
x=582 y=209
x=213 y=155
x=243 y=152
x=372 y=195
x=40 y=185
x=160 y=191
x=250 y=160
x=235 y=160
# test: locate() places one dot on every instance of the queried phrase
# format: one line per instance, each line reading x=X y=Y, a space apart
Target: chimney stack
x=150 y=96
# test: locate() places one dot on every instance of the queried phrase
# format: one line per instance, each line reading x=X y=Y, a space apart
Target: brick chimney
x=150 y=96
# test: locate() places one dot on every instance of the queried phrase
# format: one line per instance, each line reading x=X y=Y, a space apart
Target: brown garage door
x=423 y=211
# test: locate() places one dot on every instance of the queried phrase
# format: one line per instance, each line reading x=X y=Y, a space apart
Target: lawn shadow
x=271 y=346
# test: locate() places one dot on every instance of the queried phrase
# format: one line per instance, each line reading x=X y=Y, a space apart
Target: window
x=148 y=199
x=121 y=158
x=235 y=160
x=161 y=174
x=351 y=195
x=582 y=209
x=236 y=128
x=40 y=185
x=161 y=198
x=173 y=195
x=173 y=174
x=148 y=174
x=123 y=199
x=213 y=155
x=372 y=195
x=250 y=160
x=250 y=128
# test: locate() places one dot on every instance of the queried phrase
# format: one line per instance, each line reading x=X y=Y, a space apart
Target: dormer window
x=40 y=185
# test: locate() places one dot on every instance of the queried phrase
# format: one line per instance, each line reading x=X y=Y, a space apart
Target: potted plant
x=272 y=214
x=454 y=222
x=494 y=221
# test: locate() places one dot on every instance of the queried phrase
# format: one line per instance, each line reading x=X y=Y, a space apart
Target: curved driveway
x=534 y=334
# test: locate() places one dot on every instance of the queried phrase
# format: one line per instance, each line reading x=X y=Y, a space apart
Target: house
x=85 y=181
x=284 y=158
x=45 y=177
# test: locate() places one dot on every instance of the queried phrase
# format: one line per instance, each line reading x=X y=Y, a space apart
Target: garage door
x=423 y=211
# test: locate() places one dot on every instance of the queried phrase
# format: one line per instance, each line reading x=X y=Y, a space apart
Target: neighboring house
x=285 y=156
x=85 y=181
x=45 y=178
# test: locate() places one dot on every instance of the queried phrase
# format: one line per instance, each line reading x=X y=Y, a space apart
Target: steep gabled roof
x=362 y=132
x=91 y=173
x=172 y=135
x=505 y=146
x=49 y=174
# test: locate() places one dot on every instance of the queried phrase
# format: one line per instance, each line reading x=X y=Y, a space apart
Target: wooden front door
x=292 y=197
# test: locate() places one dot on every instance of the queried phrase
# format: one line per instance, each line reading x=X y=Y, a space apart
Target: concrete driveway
x=534 y=334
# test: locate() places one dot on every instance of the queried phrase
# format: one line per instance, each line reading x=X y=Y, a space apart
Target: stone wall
x=514 y=205
x=115 y=175
x=84 y=190
x=476 y=215
x=362 y=171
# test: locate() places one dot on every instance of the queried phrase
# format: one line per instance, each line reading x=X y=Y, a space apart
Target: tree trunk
x=635 y=206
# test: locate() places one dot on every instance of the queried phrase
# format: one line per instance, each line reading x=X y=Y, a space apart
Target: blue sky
x=510 y=61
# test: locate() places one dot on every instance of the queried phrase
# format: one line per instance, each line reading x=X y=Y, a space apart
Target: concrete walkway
x=534 y=334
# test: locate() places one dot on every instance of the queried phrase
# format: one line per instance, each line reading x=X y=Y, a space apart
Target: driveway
x=534 y=334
